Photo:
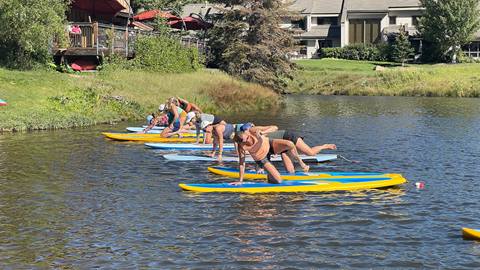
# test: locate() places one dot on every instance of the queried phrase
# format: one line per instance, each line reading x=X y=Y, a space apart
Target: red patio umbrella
x=191 y=23
x=152 y=14
x=109 y=7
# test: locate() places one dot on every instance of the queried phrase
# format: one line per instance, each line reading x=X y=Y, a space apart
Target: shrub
x=164 y=54
x=357 y=52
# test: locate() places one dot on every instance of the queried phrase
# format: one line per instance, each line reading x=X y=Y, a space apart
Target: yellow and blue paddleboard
x=471 y=234
x=252 y=174
x=148 y=137
x=319 y=185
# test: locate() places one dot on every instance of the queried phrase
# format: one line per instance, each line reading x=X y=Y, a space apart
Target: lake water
x=72 y=199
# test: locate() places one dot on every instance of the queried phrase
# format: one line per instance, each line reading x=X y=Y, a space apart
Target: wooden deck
x=97 y=39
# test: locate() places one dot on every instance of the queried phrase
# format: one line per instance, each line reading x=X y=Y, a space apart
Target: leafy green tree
x=27 y=31
x=402 y=48
x=449 y=24
x=248 y=42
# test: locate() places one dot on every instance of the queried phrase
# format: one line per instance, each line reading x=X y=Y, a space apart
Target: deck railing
x=472 y=50
x=114 y=39
x=103 y=38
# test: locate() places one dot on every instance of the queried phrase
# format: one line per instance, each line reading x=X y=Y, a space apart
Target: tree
x=449 y=24
x=402 y=48
x=248 y=42
x=28 y=29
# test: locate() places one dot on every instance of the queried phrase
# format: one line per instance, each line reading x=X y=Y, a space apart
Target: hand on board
x=330 y=147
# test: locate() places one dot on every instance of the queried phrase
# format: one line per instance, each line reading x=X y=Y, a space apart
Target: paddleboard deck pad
x=252 y=174
x=320 y=185
x=176 y=157
x=146 y=137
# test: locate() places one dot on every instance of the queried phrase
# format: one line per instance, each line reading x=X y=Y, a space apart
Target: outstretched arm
x=214 y=143
x=241 y=163
x=152 y=124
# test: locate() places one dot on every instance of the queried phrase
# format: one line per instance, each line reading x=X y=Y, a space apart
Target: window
x=364 y=31
x=327 y=21
x=415 y=20
x=325 y=43
x=393 y=20
x=334 y=21
x=298 y=24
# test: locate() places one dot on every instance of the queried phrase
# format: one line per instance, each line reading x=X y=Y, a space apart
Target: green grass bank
x=51 y=100
x=347 y=77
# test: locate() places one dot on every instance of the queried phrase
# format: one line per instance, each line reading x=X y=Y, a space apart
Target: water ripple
x=73 y=199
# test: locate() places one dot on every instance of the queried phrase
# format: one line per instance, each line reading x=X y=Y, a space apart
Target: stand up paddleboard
x=252 y=174
x=155 y=127
x=471 y=234
x=176 y=157
x=146 y=137
x=188 y=146
x=319 y=185
x=155 y=131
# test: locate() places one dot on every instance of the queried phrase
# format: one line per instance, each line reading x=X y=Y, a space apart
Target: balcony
x=98 y=39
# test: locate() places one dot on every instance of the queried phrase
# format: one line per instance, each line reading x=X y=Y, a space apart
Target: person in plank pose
x=176 y=118
x=273 y=133
x=261 y=148
x=219 y=131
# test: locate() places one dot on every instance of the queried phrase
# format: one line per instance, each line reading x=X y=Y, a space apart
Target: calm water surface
x=72 y=199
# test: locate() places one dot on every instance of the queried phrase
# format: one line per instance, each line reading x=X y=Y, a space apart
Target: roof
x=367 y=5
x=142 y=26
x=152 y=14
x=200 y=9
x=322 y=31
x=318 y=6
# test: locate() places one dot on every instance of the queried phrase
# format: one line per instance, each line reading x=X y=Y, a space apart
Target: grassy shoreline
x=346 y=77
x=50 y=100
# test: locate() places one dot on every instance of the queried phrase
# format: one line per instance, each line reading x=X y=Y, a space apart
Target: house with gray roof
x=337 y=23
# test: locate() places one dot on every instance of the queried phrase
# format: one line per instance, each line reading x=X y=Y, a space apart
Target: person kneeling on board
x=261 y=148
x=273 y=133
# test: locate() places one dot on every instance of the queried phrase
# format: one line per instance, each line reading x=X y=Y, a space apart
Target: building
x=96 y=28
x=338 y=23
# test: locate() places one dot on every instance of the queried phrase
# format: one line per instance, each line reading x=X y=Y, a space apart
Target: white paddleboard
x=188 y=146
x=155 y=127
x=276 y=158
